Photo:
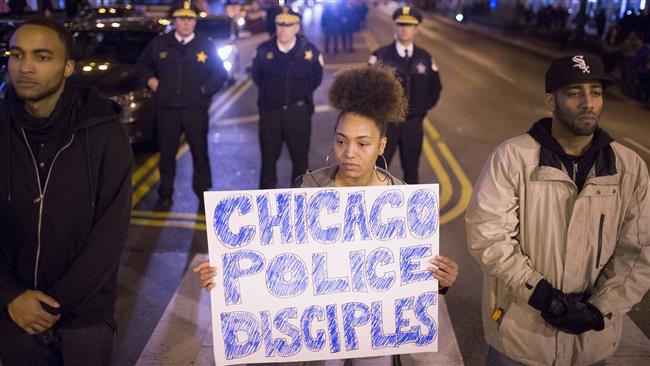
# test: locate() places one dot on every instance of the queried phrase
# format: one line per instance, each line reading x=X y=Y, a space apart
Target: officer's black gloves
x=570 y=313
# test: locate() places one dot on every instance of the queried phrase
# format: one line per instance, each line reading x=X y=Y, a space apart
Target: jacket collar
x=551 y=151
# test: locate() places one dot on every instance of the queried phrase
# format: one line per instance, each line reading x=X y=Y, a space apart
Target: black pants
x=347 y=37
x=331 y=37
x=643 y=93
x=408 y=136
x=69 y=347
x=291 y=125
x=194 y=123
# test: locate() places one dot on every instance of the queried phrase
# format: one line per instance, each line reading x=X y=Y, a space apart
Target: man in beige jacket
x=559 y=223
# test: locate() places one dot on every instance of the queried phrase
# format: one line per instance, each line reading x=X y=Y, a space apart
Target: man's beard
x=574 y=128
x=42 y=95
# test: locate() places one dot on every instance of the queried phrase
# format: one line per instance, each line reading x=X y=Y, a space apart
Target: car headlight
x=130 y=102
x=225 y=51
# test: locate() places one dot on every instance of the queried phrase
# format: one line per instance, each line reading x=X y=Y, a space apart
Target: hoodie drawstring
x=89 y=169
x=8 y=166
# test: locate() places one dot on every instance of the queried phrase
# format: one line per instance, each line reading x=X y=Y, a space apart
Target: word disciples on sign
x=308 y=274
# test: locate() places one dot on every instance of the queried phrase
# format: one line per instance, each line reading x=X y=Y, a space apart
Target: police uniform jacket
x=286 y=79
x=420 y=78
x=189 y=74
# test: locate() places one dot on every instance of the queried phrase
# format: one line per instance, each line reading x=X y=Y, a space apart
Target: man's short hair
x=60 y=30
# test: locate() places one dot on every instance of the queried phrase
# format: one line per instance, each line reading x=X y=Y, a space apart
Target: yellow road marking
x=168 y=215
x=168 y=223
x=443 y=177
x=152 y=179
x=428 y=126
x=446 y=188
x=145 y=169
x=465 y=186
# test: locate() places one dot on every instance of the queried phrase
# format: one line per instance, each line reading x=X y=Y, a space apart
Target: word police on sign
x=309 y=274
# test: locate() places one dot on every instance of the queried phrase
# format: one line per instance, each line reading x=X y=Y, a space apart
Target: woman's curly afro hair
x=371 y=91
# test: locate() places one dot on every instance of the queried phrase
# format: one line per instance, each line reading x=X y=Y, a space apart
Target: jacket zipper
x=41 y=196
x=575 y=171
x=600 y=239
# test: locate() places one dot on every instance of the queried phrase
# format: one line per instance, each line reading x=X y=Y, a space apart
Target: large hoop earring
x=327 y=157
x=385 y=168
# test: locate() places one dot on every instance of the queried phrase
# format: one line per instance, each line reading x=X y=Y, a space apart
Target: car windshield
x=215 y=28
x=123 y=46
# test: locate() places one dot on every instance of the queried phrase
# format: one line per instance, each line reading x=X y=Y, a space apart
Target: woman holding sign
x=368 y=99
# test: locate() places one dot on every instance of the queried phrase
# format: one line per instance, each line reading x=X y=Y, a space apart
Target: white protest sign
x=323 y=273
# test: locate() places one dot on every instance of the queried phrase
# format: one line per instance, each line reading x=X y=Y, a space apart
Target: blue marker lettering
x=395 y=227
x=323 y=284
x=354 y=314
x=275 y=276
x=422 y=214
x=324 y=199
x=225 y=208
x=232 y=272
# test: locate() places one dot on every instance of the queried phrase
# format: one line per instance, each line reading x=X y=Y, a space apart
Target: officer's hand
x=153 y=84
x=28 y=313
x=579 y=318
x=206 y=275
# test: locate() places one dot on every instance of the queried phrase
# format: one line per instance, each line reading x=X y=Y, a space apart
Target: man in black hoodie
x=65 y=199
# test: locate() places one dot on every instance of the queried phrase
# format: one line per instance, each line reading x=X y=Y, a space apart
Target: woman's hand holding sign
x=444 y=269
x=206 y=275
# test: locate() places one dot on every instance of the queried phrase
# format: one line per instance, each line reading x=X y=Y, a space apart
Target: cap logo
x=580 y=63
x=406 y=10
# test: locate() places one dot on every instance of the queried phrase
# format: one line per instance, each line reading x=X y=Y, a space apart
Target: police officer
x=287 y=69
x=420 y=79
x=183 y=69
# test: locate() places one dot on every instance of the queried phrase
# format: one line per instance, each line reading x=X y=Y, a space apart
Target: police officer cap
x=287 y=16
x=575 y=69
x=407 y=15
x=184 y=9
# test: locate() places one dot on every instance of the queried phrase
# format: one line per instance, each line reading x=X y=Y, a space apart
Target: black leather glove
x=579 y=318
x=553 y=302
x=548 y=299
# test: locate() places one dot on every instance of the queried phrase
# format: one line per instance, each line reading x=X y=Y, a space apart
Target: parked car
x=106 y=55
